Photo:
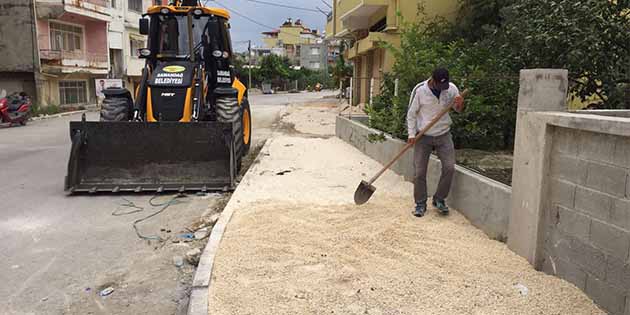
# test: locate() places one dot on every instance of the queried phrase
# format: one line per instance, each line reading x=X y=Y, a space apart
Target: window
x=114 y=4
x=134 y=45
x=314 y=64
x=314 y=50
x=64 y=37
x=72 y=92
x=135 y=5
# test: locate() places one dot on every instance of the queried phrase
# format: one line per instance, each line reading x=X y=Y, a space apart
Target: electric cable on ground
x=172 y=201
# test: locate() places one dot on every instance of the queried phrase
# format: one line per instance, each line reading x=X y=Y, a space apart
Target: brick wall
x=586 y=220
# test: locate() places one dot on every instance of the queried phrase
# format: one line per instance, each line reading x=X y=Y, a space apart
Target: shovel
x=365 y=189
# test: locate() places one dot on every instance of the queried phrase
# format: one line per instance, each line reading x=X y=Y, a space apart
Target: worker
x=427 y=100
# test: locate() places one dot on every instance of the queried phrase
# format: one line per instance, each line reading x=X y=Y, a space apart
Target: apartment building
x=257 y=53
x=290 y=36
x=314 y=56
x=56 y=50
x=364 y=24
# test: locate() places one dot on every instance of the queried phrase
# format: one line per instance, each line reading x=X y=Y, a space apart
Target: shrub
x=488 y=122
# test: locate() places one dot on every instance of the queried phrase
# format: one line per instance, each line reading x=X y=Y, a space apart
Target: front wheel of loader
x=117 y=106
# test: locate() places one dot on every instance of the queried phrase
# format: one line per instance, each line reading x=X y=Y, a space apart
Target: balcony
x=57 y=61
x=372 y=41
x=91 y=9
x=357 y=17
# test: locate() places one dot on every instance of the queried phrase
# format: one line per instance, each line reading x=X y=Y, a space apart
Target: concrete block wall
x=586 y=230
x=483 y=201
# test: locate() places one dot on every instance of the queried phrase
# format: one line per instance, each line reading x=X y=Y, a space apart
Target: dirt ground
x=495 y=165
x=298 y=245
x=150 y=274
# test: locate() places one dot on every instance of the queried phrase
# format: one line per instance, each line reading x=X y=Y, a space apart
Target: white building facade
x=125 y=40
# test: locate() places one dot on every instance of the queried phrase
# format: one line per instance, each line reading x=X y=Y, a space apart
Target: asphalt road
x=58 y=251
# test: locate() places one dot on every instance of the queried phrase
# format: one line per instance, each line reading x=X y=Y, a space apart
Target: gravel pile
x=296 y=244
x=287 y=258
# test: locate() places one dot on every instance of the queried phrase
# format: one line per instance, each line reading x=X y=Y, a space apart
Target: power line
x=322 y=11
x=326 y=3
x=242 y=15
x=248 y=18
x=283 y=5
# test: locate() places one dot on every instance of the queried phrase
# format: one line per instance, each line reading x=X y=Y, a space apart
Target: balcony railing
x=76 y=58
x=97 y=60
x=47 y=54
x=81 y=3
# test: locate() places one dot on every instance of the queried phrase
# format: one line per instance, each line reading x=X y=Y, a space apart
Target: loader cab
x=186 y=45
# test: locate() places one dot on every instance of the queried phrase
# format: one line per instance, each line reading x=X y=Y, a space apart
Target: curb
x=198 y=303
x=38 y=118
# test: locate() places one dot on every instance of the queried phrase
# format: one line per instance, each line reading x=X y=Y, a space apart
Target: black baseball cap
x=441 y=79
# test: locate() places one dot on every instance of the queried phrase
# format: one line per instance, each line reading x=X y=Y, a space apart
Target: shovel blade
x=363 y=193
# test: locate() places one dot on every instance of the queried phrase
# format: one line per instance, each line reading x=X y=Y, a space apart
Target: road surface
x=58 y=251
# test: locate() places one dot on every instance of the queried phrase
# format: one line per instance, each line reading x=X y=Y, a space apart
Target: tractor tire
x=115 y=109
x=246 y=123
x=243 y=133
x=227 y=109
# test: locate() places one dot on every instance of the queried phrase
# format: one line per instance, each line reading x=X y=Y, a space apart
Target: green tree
x=488 y=46
x=273 y=69
x=590 y=38
x=479 y=18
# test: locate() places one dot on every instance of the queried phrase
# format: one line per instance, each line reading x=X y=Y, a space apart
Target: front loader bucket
x=139 y=156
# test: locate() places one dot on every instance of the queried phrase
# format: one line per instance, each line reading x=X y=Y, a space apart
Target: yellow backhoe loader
x=188 y=125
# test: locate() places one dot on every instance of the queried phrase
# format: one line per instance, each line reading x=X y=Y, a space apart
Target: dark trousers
x=445 y=150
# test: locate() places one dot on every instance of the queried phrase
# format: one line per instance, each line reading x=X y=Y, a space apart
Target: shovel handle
x=418 y=137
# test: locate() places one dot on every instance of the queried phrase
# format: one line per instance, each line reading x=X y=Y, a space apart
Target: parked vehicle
x=266 y=88
x=15 y=109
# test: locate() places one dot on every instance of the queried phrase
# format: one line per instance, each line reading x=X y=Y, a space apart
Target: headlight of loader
x=198 y=12
x=165 y=11
x=144 y=52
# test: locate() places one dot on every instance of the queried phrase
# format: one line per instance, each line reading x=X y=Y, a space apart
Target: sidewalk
x=296 y=243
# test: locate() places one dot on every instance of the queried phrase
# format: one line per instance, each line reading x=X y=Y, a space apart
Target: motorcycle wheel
x=23 y=122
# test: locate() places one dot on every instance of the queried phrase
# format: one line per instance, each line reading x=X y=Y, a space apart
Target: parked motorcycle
x=15 y=109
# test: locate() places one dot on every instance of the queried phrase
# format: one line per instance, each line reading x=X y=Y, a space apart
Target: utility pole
x=249 y=52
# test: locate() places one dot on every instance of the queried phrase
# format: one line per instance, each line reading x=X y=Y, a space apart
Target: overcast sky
x=272 y=16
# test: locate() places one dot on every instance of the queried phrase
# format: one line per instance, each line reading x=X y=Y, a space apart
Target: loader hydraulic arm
x=140 y=105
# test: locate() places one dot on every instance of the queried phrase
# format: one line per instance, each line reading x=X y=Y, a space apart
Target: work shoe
x=421 y=208
x=441 y=206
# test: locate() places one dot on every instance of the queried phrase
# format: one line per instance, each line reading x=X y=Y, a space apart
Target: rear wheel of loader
x=246 y=123
x=115 y=109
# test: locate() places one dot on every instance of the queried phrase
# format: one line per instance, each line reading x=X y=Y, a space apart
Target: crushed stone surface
x=298 y=245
